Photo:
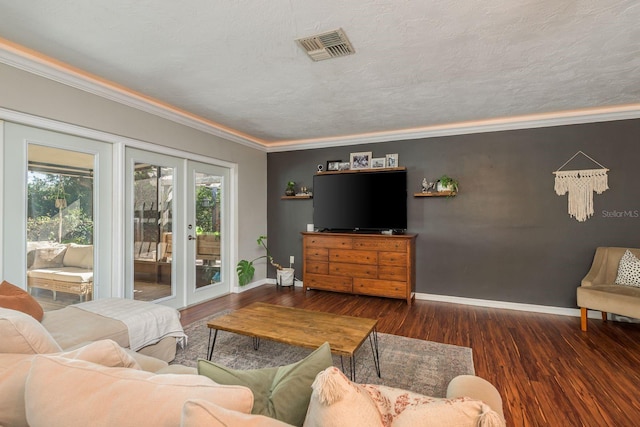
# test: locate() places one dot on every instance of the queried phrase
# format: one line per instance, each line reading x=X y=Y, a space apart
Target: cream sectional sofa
x=60 y=268
x=102 y=384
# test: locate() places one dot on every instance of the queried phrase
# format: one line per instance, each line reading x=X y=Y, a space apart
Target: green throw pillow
x=283 y=392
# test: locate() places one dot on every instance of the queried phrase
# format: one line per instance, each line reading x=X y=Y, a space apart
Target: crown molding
x=562 y=118
x=33 y=62
x=22 y=58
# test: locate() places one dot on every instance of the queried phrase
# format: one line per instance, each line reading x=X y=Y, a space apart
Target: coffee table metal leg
x=352 y=367
x=215 y=335
x=373 y=340
x=352 y=362
x=256 y=343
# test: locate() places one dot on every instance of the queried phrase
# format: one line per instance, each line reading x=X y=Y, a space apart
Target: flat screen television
x=360 y=201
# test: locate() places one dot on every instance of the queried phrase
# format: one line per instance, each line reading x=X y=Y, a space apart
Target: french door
x=57 y=215
x=176 y=229
x=207 y=232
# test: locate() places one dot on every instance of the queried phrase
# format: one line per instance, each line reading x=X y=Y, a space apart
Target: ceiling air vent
x=327 y=45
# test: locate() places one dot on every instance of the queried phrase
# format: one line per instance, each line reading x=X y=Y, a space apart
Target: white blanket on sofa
x=147 y=322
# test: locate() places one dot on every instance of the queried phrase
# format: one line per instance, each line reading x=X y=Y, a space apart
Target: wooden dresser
x=367 y=264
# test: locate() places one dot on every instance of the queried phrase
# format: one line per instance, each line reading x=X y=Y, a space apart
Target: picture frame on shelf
x=361 y=160
x=392 y=160
x=332 y=165
x=344 y=166
x=378 y=162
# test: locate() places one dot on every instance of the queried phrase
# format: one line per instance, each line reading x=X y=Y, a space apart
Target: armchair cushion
x=628 y=270
x=600 y=290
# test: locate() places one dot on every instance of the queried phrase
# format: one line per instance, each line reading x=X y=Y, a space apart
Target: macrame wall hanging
x=580 y=185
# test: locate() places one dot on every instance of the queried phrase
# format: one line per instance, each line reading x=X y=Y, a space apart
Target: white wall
x=24 y=92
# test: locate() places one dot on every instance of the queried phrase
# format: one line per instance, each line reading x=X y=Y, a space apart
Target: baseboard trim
x=544 y=309
x=533 y=308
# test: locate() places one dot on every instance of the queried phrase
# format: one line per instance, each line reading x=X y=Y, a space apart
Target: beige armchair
x=598 y=290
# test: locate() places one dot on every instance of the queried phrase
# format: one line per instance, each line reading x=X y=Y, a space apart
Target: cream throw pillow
x=74 y=393
x=14 y=369
x=199 y=413
x=23 y=334
x=628 y=270
x=80 y=256
x=337 y=402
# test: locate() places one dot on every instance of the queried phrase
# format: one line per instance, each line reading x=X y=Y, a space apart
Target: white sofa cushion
x=21 y=333
x=74 y=393
x=14 y=369
x=199 y=413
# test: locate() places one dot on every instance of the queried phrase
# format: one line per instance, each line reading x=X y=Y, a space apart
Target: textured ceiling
x=417 y=63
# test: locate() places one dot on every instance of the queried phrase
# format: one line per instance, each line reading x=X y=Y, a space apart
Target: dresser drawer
x=380 y=244
x=353 y=270
x=380 y=288
x=317 y=254
x=328 y=283
x=392 y=258
x=328 y=242
x=387 y=272
x=356 y=257
x=316 y=267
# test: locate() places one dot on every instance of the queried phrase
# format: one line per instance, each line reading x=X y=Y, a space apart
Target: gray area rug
x=423 y=367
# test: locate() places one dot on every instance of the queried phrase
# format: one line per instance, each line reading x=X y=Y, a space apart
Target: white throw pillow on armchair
x=628 y=270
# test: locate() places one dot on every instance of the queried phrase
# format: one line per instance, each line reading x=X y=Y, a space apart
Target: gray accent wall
x=506 y=236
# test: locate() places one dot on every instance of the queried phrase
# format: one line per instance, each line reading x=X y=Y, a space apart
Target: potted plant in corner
x=245 y=269
x=446 y=183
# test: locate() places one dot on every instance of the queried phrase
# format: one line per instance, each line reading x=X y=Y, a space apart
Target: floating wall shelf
x=296 y=197
x=436 y=194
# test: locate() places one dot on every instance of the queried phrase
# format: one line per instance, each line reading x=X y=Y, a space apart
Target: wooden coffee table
x=302 y=328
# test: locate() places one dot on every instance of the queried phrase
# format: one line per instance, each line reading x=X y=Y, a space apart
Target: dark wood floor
x=548 y=372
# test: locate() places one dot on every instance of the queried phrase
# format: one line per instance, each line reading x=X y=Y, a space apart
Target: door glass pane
x=152 y=232
x=208 y=190
x=60 y=188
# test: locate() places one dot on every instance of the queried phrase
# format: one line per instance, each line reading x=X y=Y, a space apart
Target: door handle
x=190 y=237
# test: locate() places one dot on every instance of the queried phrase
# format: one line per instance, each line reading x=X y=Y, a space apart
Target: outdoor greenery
x=207 y=203
x=43 y=222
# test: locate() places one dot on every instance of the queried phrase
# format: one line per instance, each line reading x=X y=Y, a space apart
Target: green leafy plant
x=446 y=181
x=291 y=185
x=246 y=270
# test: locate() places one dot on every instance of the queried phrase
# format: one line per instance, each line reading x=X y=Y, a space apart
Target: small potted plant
x=446 y=183
x=291 y=189
x=245 y=269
